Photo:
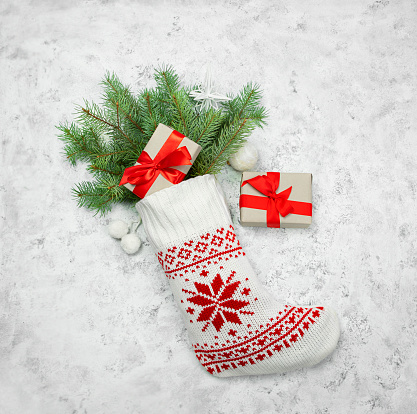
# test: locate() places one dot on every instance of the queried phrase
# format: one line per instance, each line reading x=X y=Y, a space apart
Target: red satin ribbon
x=142 y=176
x=274 y=204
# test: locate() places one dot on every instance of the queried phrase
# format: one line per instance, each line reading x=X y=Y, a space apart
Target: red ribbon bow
x=143 y=175
x=274 y=204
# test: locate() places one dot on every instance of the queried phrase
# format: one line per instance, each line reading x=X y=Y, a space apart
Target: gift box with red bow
x=274 y=199
x=165 y=161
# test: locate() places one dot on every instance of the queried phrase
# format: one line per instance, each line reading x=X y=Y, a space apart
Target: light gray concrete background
x=85 y=328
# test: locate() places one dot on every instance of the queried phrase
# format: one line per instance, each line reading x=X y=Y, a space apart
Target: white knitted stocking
x=236 y=327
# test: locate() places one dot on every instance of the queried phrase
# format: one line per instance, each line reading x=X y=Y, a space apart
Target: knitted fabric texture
x=236 y=327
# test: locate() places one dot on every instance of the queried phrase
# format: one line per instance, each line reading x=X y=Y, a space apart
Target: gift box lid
x=301 y=192
x=154 y=145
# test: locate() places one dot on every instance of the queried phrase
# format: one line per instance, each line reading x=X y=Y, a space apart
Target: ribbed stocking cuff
x=183 y=211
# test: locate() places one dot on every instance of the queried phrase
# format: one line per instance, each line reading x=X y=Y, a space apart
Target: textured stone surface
x=85 y=328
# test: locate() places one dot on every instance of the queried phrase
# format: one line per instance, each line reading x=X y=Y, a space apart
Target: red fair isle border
x=260 y=346
x=209 y=248
x=258 y=334
x=217 y=255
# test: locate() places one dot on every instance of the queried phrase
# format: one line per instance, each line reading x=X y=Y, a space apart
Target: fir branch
x=99 y=195
x=77 y=147
x=166 y=78
x=247 y=101
x=178 y=99
x=149 y=107
x=89 y=112
x=121 y=98
x=111 y=153
x=95 y=168
x=247 y=105
x=227 y=144
x=232 y=136
x=110 y=137
x=208 y=126
x=104 y=167
x=98 y=117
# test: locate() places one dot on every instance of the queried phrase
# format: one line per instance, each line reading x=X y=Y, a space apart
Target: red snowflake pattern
x=217 y=301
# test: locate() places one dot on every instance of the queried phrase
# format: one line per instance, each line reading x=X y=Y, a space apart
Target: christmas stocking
x=236 y=327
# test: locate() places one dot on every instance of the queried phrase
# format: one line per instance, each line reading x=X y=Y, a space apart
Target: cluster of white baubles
x=119 y=229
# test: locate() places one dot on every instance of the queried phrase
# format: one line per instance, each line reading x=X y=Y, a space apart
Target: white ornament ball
x=245 y=158
x=118 y=229
x=130 y=243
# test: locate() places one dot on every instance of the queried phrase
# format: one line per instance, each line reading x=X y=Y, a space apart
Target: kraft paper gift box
x=273 y=199
x=165 y=161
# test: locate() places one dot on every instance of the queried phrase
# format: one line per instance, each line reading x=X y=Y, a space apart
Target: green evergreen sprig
x=110 y=137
